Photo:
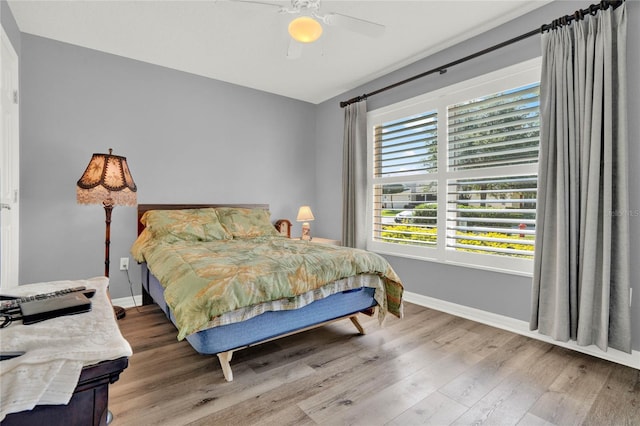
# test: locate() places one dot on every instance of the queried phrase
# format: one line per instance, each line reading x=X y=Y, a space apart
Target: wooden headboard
x=142 y=208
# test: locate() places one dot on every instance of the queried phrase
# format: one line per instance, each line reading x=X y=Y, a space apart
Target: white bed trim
x=519 y=327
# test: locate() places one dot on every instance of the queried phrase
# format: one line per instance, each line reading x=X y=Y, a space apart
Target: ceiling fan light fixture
x=305 y=29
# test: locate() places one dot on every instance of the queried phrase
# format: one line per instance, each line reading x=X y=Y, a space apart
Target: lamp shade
x=107 y=179
x=304 y=214
x=305 y=29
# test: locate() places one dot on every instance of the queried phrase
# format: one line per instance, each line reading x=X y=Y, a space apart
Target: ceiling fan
x=307 y=27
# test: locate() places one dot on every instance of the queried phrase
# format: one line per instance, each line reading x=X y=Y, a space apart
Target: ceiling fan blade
x=368 y=28
x=295 y=49
x=260 y=3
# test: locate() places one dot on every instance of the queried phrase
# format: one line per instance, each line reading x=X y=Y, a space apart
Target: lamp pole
x=108 y=208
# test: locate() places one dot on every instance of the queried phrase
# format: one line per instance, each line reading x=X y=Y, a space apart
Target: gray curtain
x=354 y=176
x=581 y=274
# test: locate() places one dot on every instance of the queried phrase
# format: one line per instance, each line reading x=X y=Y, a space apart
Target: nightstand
x=323 y=241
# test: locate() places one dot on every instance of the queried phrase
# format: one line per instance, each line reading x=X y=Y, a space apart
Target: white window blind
x=493 y=214
x=496 y=130
x=453 y=173
x=407 y=147
x=413 y=218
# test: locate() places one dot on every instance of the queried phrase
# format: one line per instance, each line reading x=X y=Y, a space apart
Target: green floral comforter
x=203 y=280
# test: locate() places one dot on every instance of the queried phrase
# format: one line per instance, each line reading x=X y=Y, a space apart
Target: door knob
x=5 y=206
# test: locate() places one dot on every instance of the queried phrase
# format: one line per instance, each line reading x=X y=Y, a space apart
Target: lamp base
x=120 y=312
x=306 y=232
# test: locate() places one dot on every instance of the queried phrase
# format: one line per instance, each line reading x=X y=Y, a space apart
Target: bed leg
x=354 y=320
x=225 y=359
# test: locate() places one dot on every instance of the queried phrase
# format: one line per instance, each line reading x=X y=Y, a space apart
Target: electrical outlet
x=124 y=263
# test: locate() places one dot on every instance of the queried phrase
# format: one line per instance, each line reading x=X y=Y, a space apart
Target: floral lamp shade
x=107 y=179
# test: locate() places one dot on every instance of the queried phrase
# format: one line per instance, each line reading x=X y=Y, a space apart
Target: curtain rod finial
x=360 y=98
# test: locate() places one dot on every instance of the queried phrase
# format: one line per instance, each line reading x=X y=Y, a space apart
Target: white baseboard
x=519 y=327
x=127 y=302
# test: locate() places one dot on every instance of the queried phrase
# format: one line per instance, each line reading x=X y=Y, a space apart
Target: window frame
x=504 y=79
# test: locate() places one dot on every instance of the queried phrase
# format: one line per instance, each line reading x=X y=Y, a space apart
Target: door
x=9 y=165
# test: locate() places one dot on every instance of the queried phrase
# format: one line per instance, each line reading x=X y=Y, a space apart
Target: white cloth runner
x=57 y=349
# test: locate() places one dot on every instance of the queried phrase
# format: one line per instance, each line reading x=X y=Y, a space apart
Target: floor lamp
x=107 y=181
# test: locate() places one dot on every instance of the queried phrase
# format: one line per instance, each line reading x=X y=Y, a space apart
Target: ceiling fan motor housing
x=305 y=4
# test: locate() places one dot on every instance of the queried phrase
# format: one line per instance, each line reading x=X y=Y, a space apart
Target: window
x=453 y=173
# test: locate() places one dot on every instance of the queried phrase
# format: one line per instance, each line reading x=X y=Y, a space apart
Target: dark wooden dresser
x=67 y=362
x=88 y=405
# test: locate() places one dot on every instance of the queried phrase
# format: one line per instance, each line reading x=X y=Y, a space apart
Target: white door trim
x=10 y=164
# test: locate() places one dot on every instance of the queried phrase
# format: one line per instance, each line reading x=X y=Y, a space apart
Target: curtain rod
x=557 y=23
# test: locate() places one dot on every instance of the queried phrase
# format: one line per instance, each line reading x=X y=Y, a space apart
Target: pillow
x=185 y=225
x=246 y=223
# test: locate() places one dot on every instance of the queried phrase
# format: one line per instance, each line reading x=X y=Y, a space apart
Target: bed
x=228 y=280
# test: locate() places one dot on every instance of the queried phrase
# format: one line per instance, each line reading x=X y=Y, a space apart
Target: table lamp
x=107 y=181
x=305 y=215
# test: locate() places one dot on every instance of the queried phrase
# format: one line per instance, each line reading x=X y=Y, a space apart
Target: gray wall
x=502 y=294
x=187 y=139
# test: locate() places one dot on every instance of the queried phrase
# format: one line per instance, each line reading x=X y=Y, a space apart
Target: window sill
x=528 y=274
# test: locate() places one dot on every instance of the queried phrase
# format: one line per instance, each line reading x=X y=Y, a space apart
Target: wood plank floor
x=428 y=368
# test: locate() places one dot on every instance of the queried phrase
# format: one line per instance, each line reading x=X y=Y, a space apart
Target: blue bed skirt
x=269 y=324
